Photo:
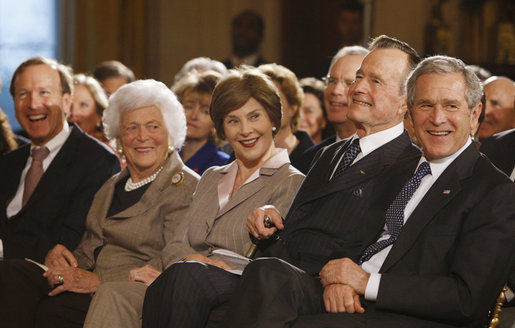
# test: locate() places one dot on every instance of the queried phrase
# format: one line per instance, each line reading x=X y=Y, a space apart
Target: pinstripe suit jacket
x=324 y=219
x=208 y=227
x=137 y=235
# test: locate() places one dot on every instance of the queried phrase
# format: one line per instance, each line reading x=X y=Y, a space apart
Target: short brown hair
x=113 y=68
x=386 y=42
x=65 y=73
x=290 y=87
x=201 y=82
x=236 y=88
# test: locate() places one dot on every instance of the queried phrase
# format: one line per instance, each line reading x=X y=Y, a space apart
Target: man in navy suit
x=439 y=260
x=74 y=167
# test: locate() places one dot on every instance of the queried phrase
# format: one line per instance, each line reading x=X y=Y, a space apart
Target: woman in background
x=194 y=92
x=7 y=137
x=88 y=104
x=313 y=118
x=288 y=136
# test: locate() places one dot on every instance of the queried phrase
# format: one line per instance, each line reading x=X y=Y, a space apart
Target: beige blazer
x=207 y=227
x=137 y=235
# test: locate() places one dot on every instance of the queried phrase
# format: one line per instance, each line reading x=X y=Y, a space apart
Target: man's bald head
x=499 y=109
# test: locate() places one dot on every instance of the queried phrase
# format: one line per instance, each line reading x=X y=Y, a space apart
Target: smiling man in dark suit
x=45 y=197
x=446 y=246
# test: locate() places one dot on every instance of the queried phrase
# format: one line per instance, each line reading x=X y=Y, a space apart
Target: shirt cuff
x=1 y=250
x=372 y=287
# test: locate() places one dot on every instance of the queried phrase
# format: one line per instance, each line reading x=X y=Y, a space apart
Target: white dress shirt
x=373 y=265
x=54 y=145
x=371 y=142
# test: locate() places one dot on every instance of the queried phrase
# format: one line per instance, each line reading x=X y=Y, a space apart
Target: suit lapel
x=363 y=170
x=151 y=196
x=246 y=191
x=15 y=167
x=438 y=196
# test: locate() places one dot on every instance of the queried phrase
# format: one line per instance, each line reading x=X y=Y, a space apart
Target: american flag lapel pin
x=447 y=191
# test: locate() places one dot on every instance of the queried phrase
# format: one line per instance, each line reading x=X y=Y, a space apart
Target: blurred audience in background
x=499 y=110
x=200 y=65
x=313 y=117
x=247 y=31
x=112 y=75
x=288 y=136
x=88 y=104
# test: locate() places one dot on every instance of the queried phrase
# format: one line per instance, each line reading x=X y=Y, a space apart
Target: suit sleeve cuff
x=372 y=287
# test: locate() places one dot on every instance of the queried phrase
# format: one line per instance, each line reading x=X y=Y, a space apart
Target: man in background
x=338 y=80
x=247 y=30
x=112 y=75
x=499 y=110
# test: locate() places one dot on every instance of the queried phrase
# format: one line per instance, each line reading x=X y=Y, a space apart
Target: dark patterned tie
x=34 y=173
x=395 y=213
x=348 y=157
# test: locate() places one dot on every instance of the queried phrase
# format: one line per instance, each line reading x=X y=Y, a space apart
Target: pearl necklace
x=130 y=186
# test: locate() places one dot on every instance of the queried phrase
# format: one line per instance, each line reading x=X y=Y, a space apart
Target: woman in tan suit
x=133 y=214
x=246 y=110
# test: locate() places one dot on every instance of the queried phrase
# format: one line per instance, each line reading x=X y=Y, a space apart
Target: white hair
x=347 y=51
x=143 y=93
x=200 y=64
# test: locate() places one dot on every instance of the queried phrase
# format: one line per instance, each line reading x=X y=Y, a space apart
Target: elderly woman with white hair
x=132 y=215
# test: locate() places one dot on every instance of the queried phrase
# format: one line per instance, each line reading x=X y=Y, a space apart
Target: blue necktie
x=350 y=154
x=395 y=213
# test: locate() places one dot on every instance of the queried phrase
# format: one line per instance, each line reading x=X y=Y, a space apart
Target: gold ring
x=61 y=280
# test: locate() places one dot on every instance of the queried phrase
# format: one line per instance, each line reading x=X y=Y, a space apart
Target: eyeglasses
x=333 y=81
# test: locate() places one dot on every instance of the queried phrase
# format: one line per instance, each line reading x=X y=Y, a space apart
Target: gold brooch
x=178 y=178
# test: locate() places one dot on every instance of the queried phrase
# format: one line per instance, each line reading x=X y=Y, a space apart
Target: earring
x=170 y=149
x=274 y=129
x=119 y=150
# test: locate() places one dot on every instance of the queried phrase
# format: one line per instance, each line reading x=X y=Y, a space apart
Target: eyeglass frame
x=326 y=81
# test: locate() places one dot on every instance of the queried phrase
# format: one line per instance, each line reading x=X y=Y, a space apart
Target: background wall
x=156 y=37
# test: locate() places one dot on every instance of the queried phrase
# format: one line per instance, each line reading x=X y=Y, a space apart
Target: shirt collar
x=276 y=161
x=56 y=142
x=375 y=140
x=439 y=165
